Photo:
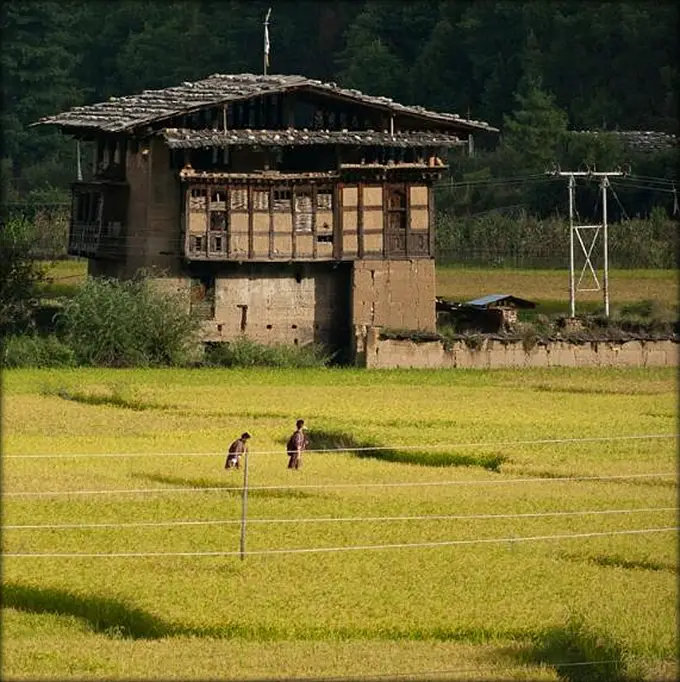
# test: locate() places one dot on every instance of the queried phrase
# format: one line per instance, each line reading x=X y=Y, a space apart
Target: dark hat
x=245 y=435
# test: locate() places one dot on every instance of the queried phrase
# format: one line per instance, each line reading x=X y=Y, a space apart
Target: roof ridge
x=155 y=105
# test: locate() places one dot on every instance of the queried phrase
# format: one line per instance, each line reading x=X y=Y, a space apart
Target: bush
x=36 y=351
x=244 y=352
x=115 y=323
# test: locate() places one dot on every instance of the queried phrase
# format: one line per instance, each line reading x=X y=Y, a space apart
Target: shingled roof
x=184 y=138
x=638 y=140
x=121 y=114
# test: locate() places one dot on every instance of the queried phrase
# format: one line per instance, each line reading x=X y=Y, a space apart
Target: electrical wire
x=652 y=179
x=346 y=519
x=327 y=486
x=375 y=448
x=616 y=196
x=345 y=548
x=648 y=188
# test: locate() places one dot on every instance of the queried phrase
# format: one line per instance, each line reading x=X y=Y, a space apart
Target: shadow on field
x=112 y=396
x=542 y=473
x=231 y=487
x=619 y=562
x=580 y=390
x=107 y=616
x=578 y=654
x=341 y=440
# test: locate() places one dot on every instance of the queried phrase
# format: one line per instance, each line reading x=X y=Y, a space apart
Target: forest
x=539 y=71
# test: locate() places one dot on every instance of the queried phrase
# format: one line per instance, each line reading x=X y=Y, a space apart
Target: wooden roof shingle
x=121 y=114
x=184 y=138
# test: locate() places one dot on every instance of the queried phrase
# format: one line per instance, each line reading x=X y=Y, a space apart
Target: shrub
x=36 y=351
x=117 y=323
x=244 y=352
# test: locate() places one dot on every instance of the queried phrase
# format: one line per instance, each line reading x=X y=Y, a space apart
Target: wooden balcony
x=98 y=219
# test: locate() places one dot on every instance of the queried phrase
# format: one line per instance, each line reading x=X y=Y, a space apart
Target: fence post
x=244 y=505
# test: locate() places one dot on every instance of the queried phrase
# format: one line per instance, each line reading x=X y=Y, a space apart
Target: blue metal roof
x=490 y=298
x=497 y=298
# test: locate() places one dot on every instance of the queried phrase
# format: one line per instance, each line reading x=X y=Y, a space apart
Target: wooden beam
x=271 y=222
x=337 y=221
x=407 y=192
x=206 y=235
x=314 y=229
x=360 y=220
x=292 y=213
x=430 y=218
x=386 y=218
x=251 y=239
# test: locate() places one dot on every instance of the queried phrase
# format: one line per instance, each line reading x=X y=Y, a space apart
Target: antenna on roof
x=266 y=41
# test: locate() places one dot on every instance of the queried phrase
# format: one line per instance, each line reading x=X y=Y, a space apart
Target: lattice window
x=282 y=200
x=197 y=200
x=196 y=243
x=239 y=199
x=261 y=200
x=395 y=233
x=217 y=243
x=303 y=211
x=324 y=200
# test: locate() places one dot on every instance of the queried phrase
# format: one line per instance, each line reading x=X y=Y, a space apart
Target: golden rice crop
x=491 y=606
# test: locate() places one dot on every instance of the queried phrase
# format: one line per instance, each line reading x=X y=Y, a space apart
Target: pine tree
x=368 y=64
x=534 y=132
x=38 y=58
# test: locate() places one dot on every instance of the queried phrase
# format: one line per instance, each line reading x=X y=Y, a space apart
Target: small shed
x=502 y=307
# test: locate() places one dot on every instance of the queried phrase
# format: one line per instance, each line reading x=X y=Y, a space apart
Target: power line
x=652 y=179
x=647 y=187
x=346 y=519
x=492 y=181
x=414 y=484
x=438 y=446
x=346 y=548
x=616 y=196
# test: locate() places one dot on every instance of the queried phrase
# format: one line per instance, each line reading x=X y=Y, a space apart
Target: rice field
x=447 y=525
x=550 y=288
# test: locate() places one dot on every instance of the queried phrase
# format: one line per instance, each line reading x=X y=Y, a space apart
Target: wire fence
x=343 y=548
x=332 y=519
x=370 y=448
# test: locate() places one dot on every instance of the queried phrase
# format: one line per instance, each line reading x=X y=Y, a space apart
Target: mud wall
x=389 y=353
x=292 y=304
x=399 y=294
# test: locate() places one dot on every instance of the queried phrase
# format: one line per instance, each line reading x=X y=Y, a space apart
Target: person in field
x=296 y=445
x=236 y=450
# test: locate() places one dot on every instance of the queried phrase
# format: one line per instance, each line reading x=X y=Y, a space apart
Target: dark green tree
x=38 y=58
x=533 y=134
x=20 y=275
x=367 y=63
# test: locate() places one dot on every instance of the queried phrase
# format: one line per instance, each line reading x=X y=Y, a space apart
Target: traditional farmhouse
x=280 y=207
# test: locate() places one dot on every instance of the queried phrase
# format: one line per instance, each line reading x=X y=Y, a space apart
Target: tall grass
x=36 y=351
x=244 y=352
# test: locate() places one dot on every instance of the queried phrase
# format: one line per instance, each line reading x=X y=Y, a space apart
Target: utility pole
x=575 y=233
